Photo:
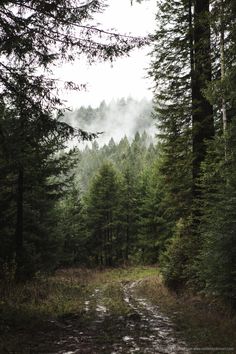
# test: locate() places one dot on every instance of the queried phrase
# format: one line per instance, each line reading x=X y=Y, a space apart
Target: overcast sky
x=125 y=76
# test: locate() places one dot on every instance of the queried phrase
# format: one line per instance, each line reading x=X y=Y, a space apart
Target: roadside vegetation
x=46 y=303
x=61 y=294
x=204 y=322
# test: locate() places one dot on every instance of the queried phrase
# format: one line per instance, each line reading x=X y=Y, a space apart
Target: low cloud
x=116 y=119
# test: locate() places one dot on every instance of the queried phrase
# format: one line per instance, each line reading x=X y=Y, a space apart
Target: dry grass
x=40 y=299
x=103 y=276
x=65 y=292
x=204 y=323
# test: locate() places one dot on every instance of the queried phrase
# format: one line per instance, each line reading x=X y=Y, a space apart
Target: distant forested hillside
x=114 y=119
x=107 y=215
x=137 y=153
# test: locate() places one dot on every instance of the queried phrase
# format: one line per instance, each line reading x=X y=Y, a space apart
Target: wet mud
x=142 y=329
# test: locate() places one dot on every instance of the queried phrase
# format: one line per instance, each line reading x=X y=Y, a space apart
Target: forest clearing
x=126 y=310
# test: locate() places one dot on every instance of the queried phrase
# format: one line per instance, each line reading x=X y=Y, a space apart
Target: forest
x=161 y=196
x=106 y=217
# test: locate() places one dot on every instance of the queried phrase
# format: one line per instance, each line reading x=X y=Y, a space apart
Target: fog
x=114 y=119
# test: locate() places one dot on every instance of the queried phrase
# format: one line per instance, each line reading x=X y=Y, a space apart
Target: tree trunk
x=127 y=239
x=202 y=116
x=19 y=214
x=222 y=63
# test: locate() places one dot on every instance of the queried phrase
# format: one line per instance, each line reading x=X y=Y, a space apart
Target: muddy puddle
x=142 y=329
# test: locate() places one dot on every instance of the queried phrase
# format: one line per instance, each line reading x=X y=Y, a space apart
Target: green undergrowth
x=113 y=299
x=206 y=324
x=63 y=293
x=38 y=300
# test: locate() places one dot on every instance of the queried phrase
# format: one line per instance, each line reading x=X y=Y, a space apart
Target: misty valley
x=116 y=119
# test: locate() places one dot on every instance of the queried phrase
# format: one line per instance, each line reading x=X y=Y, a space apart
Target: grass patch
x=113 y=299
x=63 y=293
x=204 y=324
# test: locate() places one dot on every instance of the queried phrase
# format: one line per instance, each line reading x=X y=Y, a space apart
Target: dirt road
x=141 y=329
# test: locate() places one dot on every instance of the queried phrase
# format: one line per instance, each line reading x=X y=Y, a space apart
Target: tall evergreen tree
x=216 y=263
x=201 y=72
x=182 y=72
x=102 y=205
x=35 y=35
x=193 y=68
x=128 y=210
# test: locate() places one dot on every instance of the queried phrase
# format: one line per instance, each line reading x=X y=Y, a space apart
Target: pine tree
x=102 y=204
x=35 y=36
x=216 y=263
x=72 y=229
x=182 y=72
x=128 y=213
x=171 y=70
x=201 y=72
x=194 y=71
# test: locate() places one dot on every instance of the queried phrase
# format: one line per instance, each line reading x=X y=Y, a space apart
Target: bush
x=175 y=261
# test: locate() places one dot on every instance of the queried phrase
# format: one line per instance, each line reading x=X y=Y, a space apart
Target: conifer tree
x=171 y=72
x=193 y=68
x=201 y=74
x=182 y=72
x=102 y=204
x=216 y=262
x=35 y=36
x=128 y=214
x=71 y=228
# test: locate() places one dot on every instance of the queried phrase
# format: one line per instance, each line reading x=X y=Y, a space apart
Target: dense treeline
x=193 y=68
x=109 y=211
